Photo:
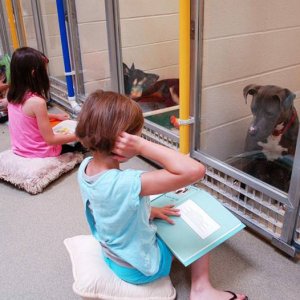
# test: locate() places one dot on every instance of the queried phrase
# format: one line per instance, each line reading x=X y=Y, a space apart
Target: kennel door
x=150 y=39
x=250 y=94
x=246 y=99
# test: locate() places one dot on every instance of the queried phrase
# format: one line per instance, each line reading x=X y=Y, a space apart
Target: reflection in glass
x=249 y=88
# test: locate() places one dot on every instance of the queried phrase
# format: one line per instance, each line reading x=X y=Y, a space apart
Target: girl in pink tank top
x=29 y=126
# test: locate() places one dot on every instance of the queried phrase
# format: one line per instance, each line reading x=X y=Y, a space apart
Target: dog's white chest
x=271 y=149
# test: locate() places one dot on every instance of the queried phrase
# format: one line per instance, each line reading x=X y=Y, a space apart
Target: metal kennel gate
x=268 y=211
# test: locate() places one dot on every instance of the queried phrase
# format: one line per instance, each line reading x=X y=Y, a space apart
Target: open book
x=203 y=225
x=65 y=127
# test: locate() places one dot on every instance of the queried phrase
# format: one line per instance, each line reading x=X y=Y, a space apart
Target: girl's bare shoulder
x=34 y=105
x=36 y=99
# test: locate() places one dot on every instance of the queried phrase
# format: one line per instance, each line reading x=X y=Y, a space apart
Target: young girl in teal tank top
x=117 y=203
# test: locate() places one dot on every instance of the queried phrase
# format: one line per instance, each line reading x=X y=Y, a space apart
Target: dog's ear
x=286 y=98
x=251 y=89
x=125 y=69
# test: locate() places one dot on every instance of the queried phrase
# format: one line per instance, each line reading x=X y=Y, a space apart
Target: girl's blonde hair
x=103 y=116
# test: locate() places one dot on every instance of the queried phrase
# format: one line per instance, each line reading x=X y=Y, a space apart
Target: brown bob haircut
x=103 y=116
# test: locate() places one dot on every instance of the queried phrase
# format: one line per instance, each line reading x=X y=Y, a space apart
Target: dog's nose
x=252 y=130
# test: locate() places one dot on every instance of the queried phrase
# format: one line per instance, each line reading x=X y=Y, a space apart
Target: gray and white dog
x=272 y=136
x=274 y=127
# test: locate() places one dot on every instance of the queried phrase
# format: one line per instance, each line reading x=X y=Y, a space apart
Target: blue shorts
x=134 y=276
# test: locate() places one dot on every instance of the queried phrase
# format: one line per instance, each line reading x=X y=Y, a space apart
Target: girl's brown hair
x=28 y=73
x=103 y=116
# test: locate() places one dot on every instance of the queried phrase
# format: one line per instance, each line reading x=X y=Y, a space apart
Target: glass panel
x=50 y=32
x=250 y=87
x=28 y=20
x=93 y=45
x=52 y=38
x=149 y=37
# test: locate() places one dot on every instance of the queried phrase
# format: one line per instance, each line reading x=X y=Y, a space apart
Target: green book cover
x=203 y=225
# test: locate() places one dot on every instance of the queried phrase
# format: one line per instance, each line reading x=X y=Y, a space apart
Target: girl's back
x=119 y=217
x=30 y=129
x=26 y=138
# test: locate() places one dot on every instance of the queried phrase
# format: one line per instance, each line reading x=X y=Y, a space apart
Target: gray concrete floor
x=35 y=265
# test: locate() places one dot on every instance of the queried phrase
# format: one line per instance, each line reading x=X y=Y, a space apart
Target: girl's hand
x=164 y=212
x=3 y=86
x=3 y=104
x=62 y=117
x=126 y=146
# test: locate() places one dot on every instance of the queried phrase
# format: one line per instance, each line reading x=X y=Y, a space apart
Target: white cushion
x=34 y=174
x=94 y=280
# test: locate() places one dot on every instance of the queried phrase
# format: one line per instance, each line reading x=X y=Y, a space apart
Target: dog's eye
x=269 y=114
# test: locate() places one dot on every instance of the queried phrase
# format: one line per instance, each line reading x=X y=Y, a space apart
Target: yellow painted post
x=11 y=23
x=19 y=7
x=184 y=74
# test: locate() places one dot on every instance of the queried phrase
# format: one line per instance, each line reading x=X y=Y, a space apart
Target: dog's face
x=271 y=107
x=136 y=81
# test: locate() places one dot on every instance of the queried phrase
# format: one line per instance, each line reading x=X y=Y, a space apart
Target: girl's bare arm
x=178 y=170
x=61 y=116
x=39 y=110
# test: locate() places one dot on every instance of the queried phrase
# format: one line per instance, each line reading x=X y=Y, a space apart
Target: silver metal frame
x=18 y=17
x=197 y=17
x=59 y=94
x=114 y=45
x=4 y=35
x=158 y=134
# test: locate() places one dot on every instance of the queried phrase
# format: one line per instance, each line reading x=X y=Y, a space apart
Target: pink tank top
x=25 y=136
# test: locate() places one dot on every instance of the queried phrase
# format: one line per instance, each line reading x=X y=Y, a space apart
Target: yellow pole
x=184 y=74
x=12 y=25
x=19 y=7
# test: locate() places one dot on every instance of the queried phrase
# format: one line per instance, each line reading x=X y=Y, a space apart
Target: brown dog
x=271 y=138
x=274 y=127
x=150 y=92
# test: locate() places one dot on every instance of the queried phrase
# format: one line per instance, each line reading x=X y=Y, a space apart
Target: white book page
x=197 y=219
x=153 y=197
x=65 y=127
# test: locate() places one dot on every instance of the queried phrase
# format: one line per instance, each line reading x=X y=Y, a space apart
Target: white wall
x=249 y=41
x=93 y=44
x=28 y=23
x=51 y=33
x=149 y=32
